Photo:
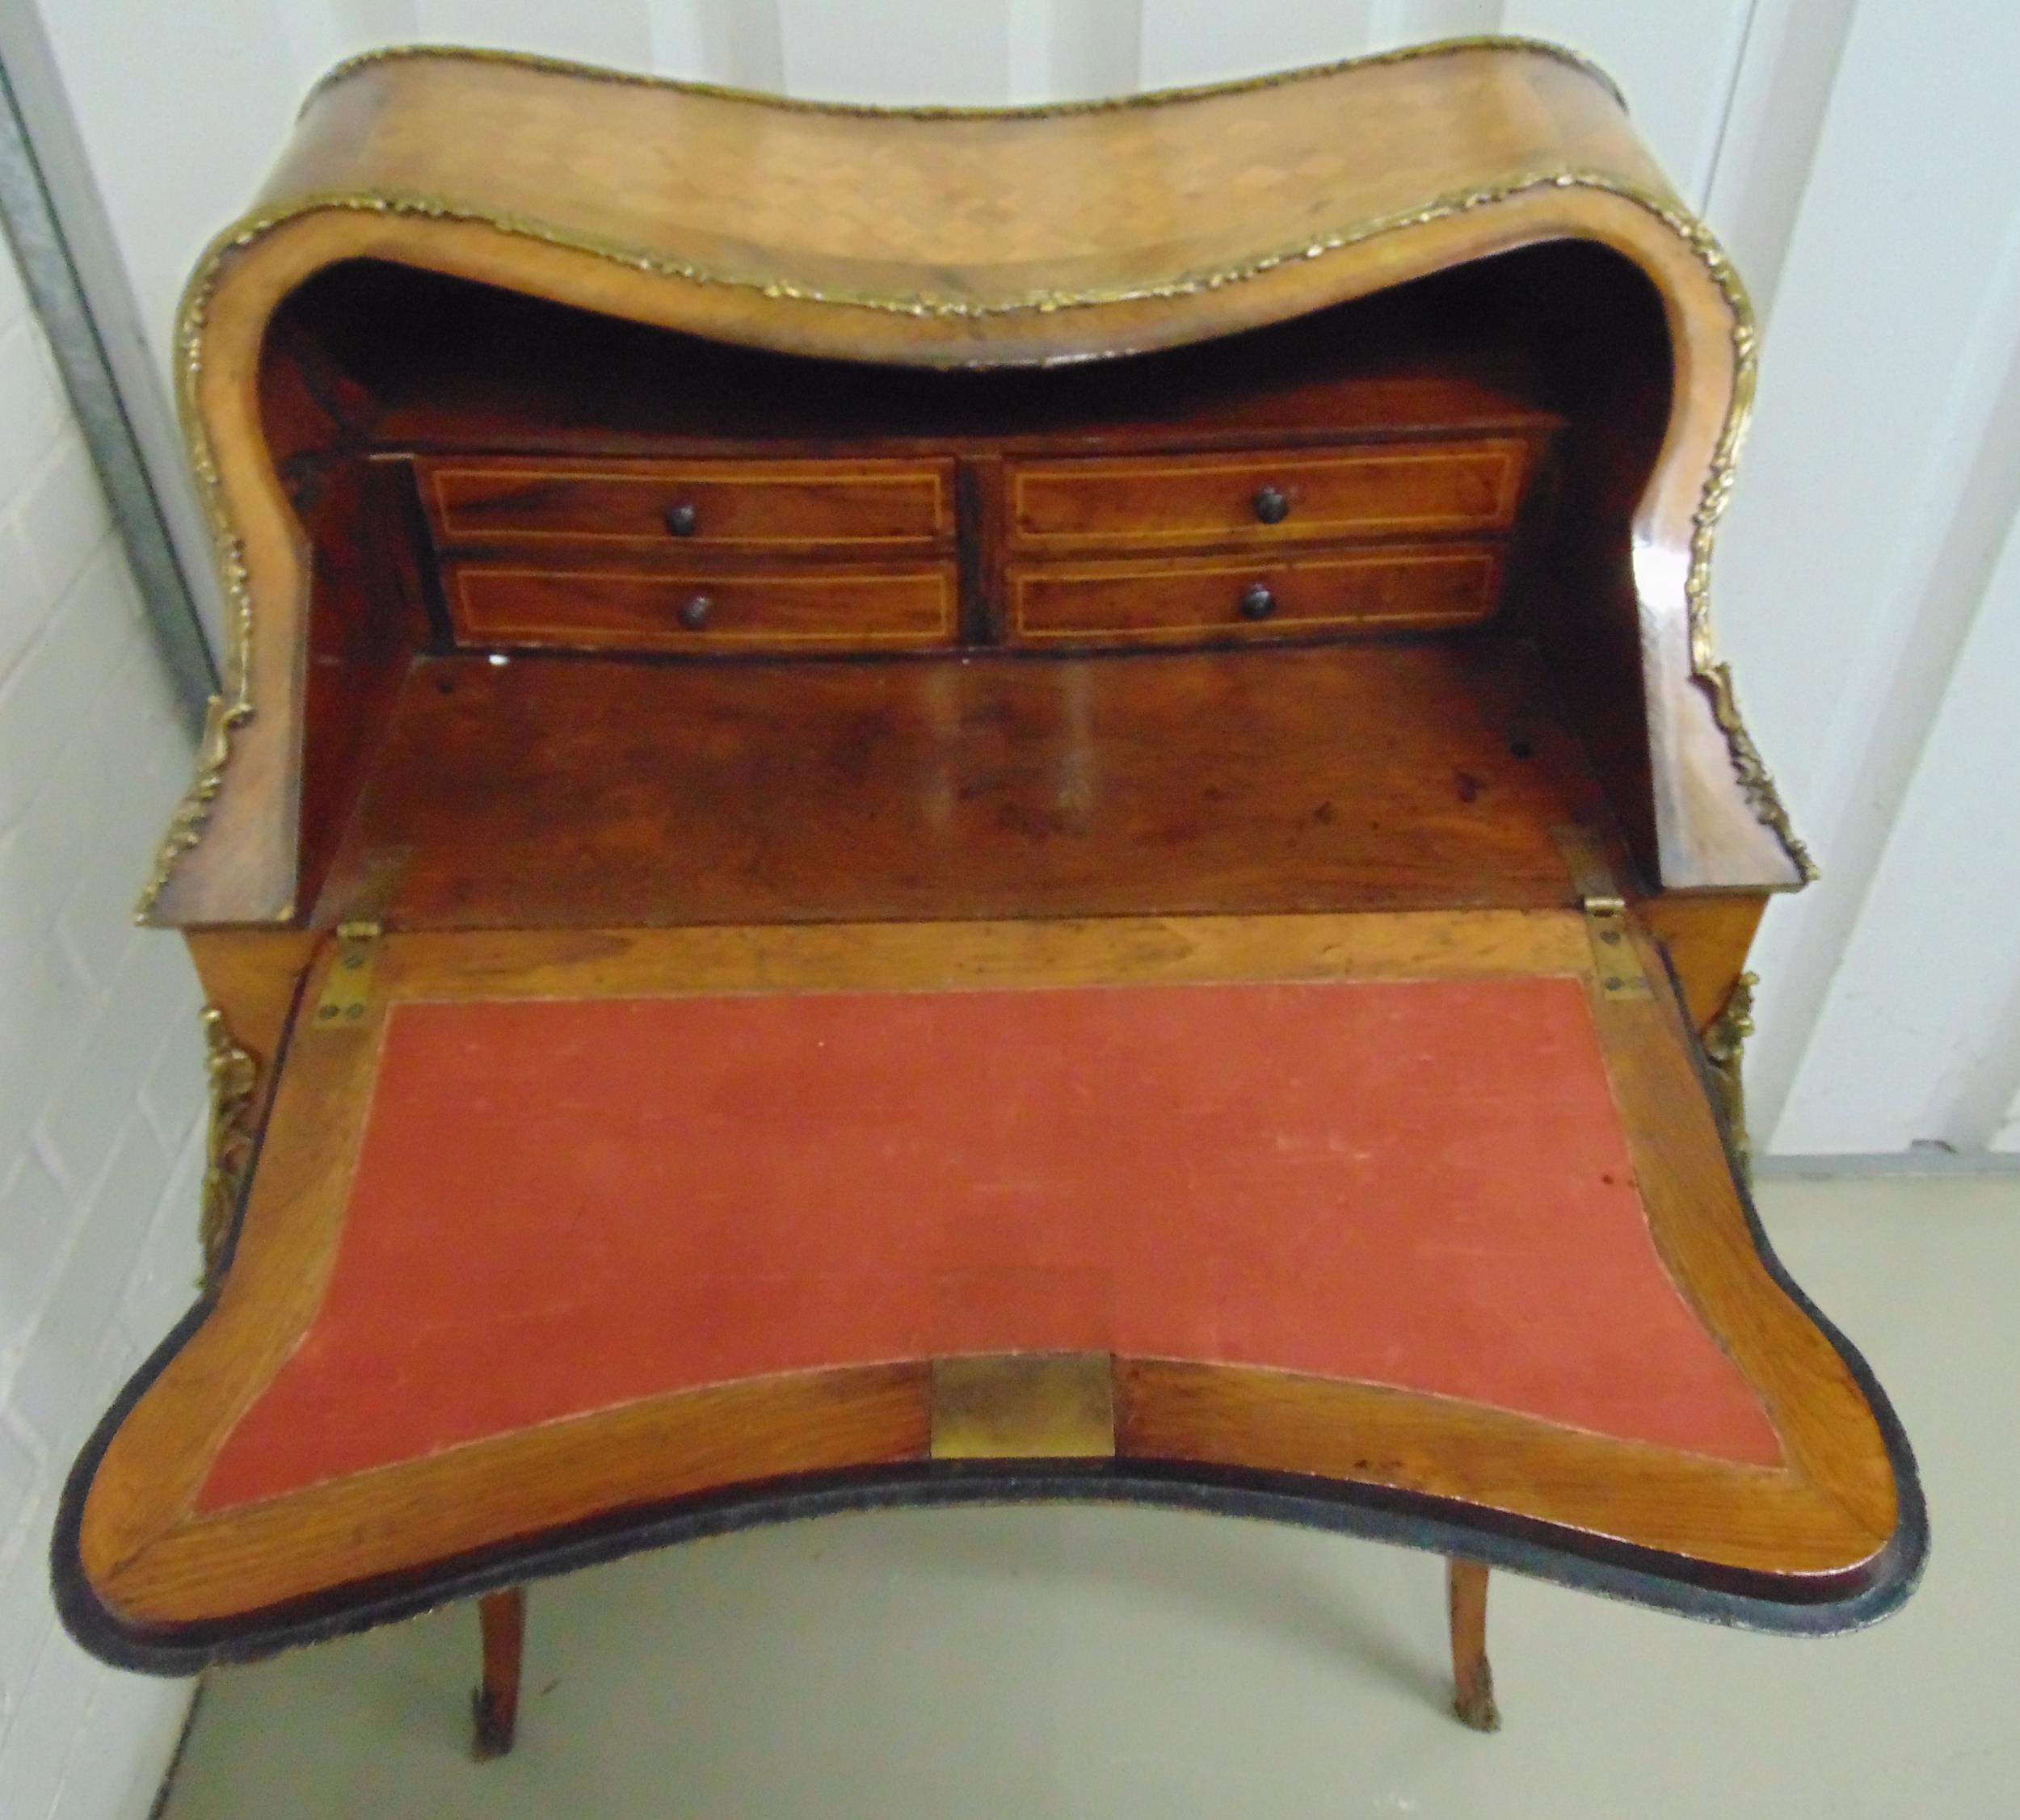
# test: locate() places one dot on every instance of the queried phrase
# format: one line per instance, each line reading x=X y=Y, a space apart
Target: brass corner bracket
x=234 y=1076
x=1725 y=1041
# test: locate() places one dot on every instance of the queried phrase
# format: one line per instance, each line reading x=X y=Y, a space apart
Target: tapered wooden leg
x=494 y=1706
x=1472 y=1680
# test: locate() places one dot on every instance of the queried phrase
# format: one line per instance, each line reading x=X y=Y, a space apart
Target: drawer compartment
x=790 y=610
x=744 y=505
x=1400 y=488
x=1390 y=589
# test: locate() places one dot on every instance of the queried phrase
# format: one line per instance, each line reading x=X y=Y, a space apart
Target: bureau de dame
x=924 y=807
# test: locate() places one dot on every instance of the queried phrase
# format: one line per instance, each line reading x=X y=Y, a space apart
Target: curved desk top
x=570 y=1242
x=938 y=239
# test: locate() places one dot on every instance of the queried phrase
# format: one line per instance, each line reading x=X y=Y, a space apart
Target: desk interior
x=554 y=791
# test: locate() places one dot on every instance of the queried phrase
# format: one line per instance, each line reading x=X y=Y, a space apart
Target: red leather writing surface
x=562 y=1206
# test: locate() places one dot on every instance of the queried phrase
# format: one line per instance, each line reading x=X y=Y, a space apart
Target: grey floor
x=1111 y=1663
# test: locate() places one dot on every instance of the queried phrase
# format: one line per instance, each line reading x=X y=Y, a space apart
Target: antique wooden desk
x=935 y=807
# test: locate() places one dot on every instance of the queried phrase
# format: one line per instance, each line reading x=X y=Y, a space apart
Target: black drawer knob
x=1271 y=506
x=695 y=610
x=681 y=519
x=1258 y=601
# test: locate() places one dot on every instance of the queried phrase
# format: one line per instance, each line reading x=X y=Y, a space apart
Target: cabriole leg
x=494 y=1706
x=1472 y=1680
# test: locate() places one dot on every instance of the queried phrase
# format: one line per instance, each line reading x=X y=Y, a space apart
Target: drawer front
x=702 y=505
x=1398 y=488
x=1392 y=588
x=794 y=610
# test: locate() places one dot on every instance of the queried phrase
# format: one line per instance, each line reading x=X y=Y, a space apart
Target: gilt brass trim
x=1724 y=1044
x=1024 y=111
x=234 y=1077
x=234 y=705
x=1011 y=1405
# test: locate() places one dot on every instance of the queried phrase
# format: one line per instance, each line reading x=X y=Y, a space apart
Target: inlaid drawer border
x=933 y=473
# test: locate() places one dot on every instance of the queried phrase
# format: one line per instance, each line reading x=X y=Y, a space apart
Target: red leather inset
x=561 y=1206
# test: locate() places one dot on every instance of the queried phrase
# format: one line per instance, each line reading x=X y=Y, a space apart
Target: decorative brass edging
x=1713 y=676
x=1724 y=1041
x=235 y=705
x=932 y=110
x=1023 y=1406
x=232 y=706
x=228 y=1153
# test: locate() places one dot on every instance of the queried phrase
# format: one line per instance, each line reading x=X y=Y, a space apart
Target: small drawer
x=702 y=505
x=792 y=610
x=1392 y=588
x=1398 y=488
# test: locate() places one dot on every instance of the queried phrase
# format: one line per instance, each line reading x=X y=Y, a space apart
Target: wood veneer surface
x=987 y=214
x=1161 y=224
x=556 y=792
x=563 y=1206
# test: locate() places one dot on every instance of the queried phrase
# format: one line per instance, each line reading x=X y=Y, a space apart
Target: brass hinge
x=346 y=987
x=1614 y=956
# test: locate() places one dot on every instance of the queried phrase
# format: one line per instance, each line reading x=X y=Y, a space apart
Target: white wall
x=1872 y=605
x=101 y=1077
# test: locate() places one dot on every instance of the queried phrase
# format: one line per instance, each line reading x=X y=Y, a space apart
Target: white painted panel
x=2008 y=1139
x=1187 y=41
x=1676 y=65
x=182 y=109
x=897 y=51
x=1081 y=50
x=1986 y=1113
x=731 y=41
x=1877 y=490
x=1394 y=23
x=1029 y=31
x=1785 y=79
x=322 y=32
x=1922 y=1005
x=617 y=33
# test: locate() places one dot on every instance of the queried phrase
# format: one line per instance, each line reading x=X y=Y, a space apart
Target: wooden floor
x=1114 y=1664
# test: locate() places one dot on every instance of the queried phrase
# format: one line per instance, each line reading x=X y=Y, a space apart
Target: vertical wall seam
x=35 y=234
x=1881 y=733
x=1703 y=200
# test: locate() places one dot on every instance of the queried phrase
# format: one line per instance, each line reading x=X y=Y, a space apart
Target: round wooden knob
x=1258 y=601
x=681 y=519
x=695 y=610
x=1271 y=506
